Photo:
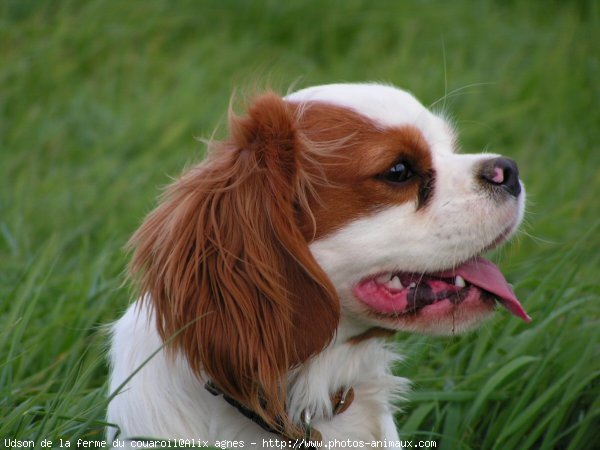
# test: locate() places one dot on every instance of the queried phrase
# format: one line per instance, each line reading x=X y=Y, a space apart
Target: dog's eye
x=398 y=173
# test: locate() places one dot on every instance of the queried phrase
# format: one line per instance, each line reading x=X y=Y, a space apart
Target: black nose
x=501 y=173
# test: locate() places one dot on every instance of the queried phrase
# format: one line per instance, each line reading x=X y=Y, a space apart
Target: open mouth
x=394 y=294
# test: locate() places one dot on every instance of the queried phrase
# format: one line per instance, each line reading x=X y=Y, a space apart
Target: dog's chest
x=364 y=367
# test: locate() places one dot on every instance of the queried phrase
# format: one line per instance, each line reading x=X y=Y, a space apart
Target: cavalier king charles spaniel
x=272 y=275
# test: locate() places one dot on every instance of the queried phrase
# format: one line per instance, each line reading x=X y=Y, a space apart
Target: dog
x=273 y=274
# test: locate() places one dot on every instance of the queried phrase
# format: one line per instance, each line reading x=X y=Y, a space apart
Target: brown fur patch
x=352 y=154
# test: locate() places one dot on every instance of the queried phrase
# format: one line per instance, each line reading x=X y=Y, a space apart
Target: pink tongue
x=485 y=275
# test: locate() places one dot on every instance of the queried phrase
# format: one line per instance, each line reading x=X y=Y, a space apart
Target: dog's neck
x=355 y=366
x=360 y=357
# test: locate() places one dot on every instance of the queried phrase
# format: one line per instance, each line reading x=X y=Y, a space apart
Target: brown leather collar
x=340 y=402
x=371 y=333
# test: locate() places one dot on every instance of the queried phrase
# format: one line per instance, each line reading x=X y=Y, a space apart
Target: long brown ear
x=224 y=249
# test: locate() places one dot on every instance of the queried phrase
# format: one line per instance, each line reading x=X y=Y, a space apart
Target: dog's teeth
x=412 y=285
x=459 y=281
x=384 y=278
x=395 y=283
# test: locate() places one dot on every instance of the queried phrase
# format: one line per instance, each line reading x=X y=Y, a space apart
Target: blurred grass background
x=101 y=102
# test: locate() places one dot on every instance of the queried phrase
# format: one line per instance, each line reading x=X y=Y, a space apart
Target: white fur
x=164 y=399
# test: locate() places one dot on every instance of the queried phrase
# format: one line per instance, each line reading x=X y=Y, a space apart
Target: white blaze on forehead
x=386 y=106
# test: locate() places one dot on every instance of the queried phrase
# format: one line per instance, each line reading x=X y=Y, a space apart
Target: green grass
x=100 y=102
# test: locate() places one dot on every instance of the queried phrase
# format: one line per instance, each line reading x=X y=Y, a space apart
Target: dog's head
x=340 y=200
x=401 y=225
